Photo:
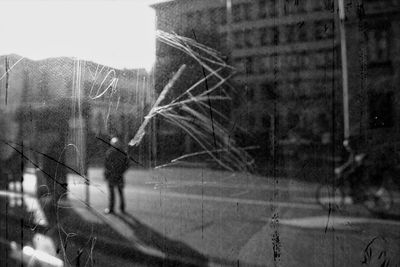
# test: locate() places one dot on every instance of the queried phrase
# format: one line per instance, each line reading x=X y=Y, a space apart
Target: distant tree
x=169 y=59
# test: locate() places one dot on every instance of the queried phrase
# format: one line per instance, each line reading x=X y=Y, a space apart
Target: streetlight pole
x=229 y=24
x=342 y=18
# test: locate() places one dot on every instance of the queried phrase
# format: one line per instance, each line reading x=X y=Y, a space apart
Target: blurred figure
x=354 y=169
x=116 y=163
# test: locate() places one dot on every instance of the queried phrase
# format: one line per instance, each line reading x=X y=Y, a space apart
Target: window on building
x=293 y=61
x=300 y=60
x=317 y=5
x=293 y=6
x=259 y=65
x=271 y=8
x=238 y=39
x=263 y=36
x=268 y=63
x=290 y=33
x=221 y=13
x=378 y=44
x=239 y=64
x=284 y=36
x=267 y=35
x=330 y=58
x=212 y=13
x=380 y=110
x=308 y=61
x=328 y=31
x=283 y=62
x=319 y=30
x=319 y=58
x=275 y=31
x=262 y=9
x=247 y=14
x=248 y=38
x=280 y=62
x=236 y=13
x=301 y=5
x=302 y=32
x=223 y=40
x=249 y=92
x=44 y=93
x=249 y=68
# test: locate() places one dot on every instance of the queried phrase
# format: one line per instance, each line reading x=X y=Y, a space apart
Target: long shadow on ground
x=82 y=243
x=174 y=250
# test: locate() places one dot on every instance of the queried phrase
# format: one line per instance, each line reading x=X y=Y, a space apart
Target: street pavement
x=235 y=219
x=203 y=217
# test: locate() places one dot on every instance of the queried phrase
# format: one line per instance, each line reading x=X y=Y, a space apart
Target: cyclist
x=354 y=172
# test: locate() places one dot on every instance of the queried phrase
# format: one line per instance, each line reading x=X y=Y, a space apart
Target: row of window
x=295 y=61
x=254 y=10
x=380 y=113
x=214 y=16
x=262 y=9
x=266 y=91
x=378 y=45
x=284 y=34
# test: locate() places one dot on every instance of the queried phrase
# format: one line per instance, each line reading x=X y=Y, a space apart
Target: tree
x=202 y=88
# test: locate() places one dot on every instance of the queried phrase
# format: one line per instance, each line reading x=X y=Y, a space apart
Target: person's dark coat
x=116 y=163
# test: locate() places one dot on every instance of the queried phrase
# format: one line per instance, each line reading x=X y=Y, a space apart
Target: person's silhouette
x=116 y=163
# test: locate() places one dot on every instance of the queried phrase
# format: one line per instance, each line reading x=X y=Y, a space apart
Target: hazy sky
x=118 y=33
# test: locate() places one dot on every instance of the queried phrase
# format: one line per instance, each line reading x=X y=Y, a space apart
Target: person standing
x=116 y=163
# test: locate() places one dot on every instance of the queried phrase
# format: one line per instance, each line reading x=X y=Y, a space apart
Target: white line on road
x=224 y=199
x=258 y=187
x=334 y=222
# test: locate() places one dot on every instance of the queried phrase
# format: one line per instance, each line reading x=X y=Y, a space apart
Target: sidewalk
x=82 y=228
x=114 y=235
x=78 y=231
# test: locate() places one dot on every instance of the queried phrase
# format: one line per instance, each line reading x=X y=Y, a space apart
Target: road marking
x=258 y=187
x=223 y=199
x=337 y=222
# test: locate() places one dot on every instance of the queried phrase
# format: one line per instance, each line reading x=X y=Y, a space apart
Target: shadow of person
x=173 y=250
x=78 y=240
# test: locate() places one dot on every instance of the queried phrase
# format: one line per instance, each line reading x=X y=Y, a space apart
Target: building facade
x=373 y=45
x=288 y=56
x=79 y=101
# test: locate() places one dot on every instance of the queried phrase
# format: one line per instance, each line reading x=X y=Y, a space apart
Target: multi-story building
x=288 y=51
x=373 y=45
x=286 y=54
x=288 y=57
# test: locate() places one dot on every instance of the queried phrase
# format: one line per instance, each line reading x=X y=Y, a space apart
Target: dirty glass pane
x=199 y=133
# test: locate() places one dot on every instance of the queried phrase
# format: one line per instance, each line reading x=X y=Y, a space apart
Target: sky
x=117 y=33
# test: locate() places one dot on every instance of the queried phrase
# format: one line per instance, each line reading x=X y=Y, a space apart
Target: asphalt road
x=240 y=220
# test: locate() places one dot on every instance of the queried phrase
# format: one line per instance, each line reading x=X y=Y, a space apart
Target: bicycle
x=372 y=194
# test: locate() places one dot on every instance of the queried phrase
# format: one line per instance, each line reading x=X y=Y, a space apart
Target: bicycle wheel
x=379 y=200
x=330 y=197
